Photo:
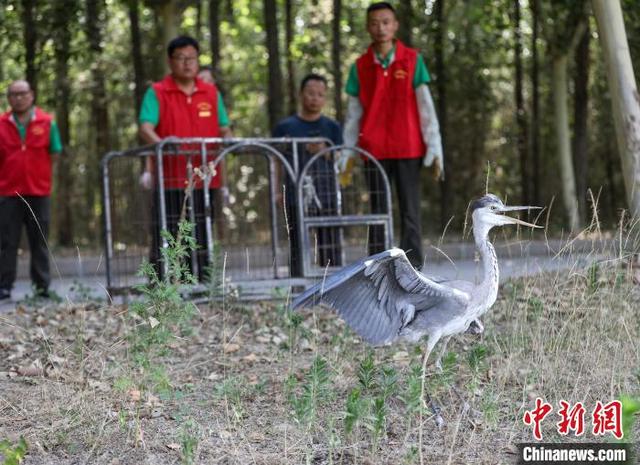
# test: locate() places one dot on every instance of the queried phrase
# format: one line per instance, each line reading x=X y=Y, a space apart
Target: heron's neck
x=488 y=289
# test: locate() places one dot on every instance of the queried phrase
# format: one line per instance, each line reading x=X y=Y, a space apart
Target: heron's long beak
x=509 y=219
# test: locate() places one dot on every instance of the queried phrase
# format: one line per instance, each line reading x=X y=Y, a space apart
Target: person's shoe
x=5 y=294
x=42 y=293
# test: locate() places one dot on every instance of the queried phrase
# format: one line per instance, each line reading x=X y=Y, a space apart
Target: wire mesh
x=270 y=205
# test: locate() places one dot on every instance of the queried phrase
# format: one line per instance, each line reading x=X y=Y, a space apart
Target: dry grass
x=65 y=381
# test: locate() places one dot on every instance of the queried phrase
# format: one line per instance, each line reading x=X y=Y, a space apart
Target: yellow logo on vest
x=204 y=110
x=37 y=130
x=400 y=74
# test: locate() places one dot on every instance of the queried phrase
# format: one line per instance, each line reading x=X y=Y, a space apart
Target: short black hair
x=381 y=6
x=312 y=77
x=182 y=42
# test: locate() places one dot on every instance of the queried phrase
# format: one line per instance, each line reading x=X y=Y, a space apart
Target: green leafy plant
x=314 y=390
x=367 y=373
x=353 y=412
x=162 y=315
x=13 y=454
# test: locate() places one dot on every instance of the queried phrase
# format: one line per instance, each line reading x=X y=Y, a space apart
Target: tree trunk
x=405 y=18
x=291 y=76
x=65 y=180
x=274 y=96
x=559 y=80
x=624 y=95
x=99 y=104
x=535 y=104
x=198 y=34
x=580 y=118
x=170 y=16
x=214 y=37
x=441 y=92
x=30 y=32
x=336 y=59
x=136 y=53
x=521 y=119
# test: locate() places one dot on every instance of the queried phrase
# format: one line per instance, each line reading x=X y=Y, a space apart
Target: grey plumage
x=384 y=299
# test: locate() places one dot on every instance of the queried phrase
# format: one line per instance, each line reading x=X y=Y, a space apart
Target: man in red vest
x=29 y=144
x=391 y=115
x=181 y=105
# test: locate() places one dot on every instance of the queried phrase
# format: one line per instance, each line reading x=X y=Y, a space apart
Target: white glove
x=146 y=180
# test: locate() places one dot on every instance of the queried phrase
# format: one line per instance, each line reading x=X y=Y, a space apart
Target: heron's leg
x=443 y=348
x=433 y=340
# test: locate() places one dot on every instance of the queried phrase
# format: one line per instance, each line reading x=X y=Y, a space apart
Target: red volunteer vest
x=390 y=126
x=25 y=167
x=186 y=116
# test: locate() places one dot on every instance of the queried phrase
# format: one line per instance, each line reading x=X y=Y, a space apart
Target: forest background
x=502 y=73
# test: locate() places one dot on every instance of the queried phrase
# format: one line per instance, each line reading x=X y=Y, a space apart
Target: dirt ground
x=252 y=384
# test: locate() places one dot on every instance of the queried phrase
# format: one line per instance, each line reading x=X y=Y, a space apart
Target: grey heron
x=384 y=299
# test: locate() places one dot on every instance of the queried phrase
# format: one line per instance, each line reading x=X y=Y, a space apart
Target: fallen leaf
x=153 y=322
x=173 y=446
x=35 y=369
x=230 y=348
x=251 y=358
x=134 y=395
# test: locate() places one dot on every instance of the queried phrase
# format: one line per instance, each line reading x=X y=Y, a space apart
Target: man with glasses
x=181 y=105
x=29 y=145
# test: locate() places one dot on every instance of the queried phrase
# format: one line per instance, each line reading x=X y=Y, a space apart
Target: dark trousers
x=174 y=201
x=405 y=175
x=327 y=240
x=34 y=215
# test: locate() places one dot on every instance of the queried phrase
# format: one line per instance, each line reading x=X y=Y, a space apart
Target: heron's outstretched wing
x=379 y=295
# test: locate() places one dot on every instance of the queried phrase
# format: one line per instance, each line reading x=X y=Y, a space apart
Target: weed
x=379 y=426
x=13 y=454
x=353 y=411
x=411 y=394
x=367 y=372
x=188 y=442
x=592 y=277
x=630 y=408
x=162 y=314
x=231 y=390
x=314 y=391
x=477 y=358
x=387 y=381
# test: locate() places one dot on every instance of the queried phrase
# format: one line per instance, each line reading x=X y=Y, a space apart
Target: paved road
x=82 y=280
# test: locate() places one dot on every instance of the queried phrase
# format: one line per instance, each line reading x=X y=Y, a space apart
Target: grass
x=256 y=384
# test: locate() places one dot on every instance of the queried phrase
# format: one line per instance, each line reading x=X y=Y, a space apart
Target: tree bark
x=405 y=17
x=624 y=95
x=336 y=59
x=65 y=180
x=291 y=75
x=136 y=52
x=535 y=104
x=580 y=118
x=274 y=96
x=30 y=34
x=99 y=104
x=214 y=37
x=441 y=92
x=559 y=79
x=521 y=118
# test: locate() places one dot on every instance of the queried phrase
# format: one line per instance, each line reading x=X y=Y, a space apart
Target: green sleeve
x=223 y=117
x=55 y=142
x=421 y=75
x=150 y=109
x=353 y=84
